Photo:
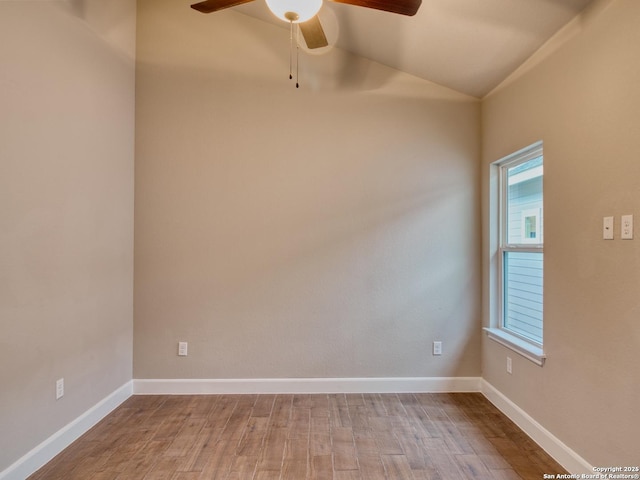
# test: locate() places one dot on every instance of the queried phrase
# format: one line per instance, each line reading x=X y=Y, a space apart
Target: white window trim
x=496 y=332
x=518 y=345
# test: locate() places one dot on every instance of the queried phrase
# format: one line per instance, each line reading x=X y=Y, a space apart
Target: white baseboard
x=305 y=385
x=566 y=457
x=64 y=437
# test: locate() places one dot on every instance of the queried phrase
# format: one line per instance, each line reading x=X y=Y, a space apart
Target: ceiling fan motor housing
x=295 y=11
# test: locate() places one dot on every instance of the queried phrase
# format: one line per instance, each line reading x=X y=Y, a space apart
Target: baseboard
x=64 y=437
x=305 y=385
x=566 y=457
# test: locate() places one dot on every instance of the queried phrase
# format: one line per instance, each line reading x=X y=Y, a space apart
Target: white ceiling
x=467 y=45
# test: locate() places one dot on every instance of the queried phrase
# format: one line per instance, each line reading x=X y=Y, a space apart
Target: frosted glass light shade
x=302 y=9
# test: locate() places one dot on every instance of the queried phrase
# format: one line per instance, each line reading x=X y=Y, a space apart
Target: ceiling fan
x=304 y=13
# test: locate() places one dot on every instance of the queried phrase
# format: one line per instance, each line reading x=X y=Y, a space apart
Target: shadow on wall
x=113 y=21
x=356 y=72
x=235 y=43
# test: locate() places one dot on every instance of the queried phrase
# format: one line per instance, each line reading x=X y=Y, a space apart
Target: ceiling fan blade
x=209 y=6
x=313 y=33
x=403 y=7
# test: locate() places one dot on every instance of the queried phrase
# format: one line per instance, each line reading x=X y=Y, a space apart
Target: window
x=520 y=253
x=531 y=225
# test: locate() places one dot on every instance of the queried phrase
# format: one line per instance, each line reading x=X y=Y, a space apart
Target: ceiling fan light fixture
x=296 y=11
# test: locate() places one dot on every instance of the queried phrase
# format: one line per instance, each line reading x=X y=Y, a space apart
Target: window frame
x=526 y=347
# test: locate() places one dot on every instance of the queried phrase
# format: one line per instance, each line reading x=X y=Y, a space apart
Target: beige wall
x=582 y=99
x=329 y=231
x=66 y=203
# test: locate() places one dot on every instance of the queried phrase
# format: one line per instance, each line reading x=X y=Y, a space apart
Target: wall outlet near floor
x=437 y=348
x=59 y=388
x=509 y=366
x=182 y=349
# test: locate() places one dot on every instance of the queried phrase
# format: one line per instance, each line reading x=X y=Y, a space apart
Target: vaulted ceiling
x=468 y=45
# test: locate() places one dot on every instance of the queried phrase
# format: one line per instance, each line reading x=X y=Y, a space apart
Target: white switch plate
x=59 y=388
x=509 y=366
x=437 y=348
x=182 y=349
x=607 y=228
x=626 y=227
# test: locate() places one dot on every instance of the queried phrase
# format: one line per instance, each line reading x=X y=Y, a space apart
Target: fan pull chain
x=291 y=50
x=297 y=54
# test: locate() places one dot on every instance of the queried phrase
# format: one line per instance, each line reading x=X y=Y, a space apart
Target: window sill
x=528 y=351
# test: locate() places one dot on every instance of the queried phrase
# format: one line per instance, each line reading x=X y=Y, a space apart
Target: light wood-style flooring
x=340 y=437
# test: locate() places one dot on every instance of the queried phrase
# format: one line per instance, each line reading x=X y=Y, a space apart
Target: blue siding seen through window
x=525 y=198
x=523 y=294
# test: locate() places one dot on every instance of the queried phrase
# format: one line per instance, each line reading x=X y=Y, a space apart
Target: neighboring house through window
x=520 y=253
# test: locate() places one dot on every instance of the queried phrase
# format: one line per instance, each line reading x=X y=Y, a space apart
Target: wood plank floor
x=268 y=437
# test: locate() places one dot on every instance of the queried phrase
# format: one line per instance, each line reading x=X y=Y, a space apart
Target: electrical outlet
x=59 y=388
x=182 y=349
x=509 y=366
x=437 y=348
